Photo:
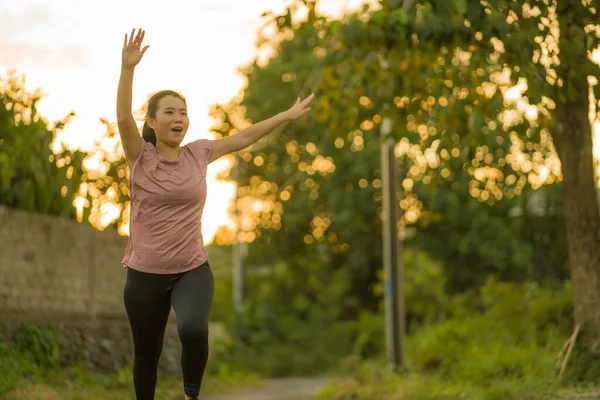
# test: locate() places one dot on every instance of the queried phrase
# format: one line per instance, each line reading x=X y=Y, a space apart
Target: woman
x=165 y=258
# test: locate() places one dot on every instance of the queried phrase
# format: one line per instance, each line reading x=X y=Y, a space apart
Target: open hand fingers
x=132 y=36
x=303 y=103
x=308 y=100
x=135 y=39
x=140 y=37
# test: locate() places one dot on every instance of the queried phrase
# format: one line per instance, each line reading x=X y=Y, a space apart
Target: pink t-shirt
x=167 y=200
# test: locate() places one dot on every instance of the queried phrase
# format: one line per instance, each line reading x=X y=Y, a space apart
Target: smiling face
x=171 y=120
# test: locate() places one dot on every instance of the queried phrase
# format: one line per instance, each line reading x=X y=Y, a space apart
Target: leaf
x=30 y=176
x=460 y=6
x=400 y=16
x=436 y=67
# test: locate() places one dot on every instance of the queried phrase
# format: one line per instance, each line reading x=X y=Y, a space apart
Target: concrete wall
x=56 y=271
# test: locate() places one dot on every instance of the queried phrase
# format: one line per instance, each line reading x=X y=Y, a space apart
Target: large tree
x=320 y=180
x=438 y=70
x=548 y=45
x=572 y=135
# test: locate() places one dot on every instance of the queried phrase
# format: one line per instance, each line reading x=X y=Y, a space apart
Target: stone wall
x=56 y=271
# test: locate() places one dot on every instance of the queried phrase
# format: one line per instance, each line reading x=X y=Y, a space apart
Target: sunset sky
x=71 y=49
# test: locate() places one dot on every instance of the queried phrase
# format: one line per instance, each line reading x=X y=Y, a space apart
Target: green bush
x=497 y=343
x=293 y=348
x=501 y=331
x=32 y=356
x=507 y=331
x=287 y=330
x=374 y=382
x=29 y=365
x=370 y=331
x=43 y=346
x=426 y=300
x=583 y=365
x=15 y=370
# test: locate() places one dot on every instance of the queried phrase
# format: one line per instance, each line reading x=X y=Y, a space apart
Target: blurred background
x=491 y=107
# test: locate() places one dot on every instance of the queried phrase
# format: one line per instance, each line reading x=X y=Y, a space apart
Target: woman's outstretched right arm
x=130 y=136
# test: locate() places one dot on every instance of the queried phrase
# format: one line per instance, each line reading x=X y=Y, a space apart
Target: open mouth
x=177 y=129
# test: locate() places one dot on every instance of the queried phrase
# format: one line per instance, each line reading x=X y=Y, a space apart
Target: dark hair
x=148 y=133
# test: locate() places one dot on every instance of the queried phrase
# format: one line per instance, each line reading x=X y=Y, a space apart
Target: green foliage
x=374 y=382
x=32 y=176
x=583 y=365
x=465 y=197
x=318 y=233
x=505 y=331
x=500 y=343
x=475 y=335
x=39 y=174
x=109 y=183
x=29 y=364
x=518 y=239
x=426 y=300
x=220 y=261
x=282 y=335
x=274 y=344
x=33 y=356
x=311 y=350
x=369 y=334
x=478 y=183
x=15 y=370
x=43 y=346
x=478 y=175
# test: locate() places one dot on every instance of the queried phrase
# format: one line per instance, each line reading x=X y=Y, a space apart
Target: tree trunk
x=572 y=137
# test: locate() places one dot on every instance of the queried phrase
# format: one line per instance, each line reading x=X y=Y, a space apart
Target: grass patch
x=30 y=369
x=500 y=343
x=375 y=382
x=77 y=384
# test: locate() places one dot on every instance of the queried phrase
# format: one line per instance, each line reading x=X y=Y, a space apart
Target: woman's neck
x=168 y=152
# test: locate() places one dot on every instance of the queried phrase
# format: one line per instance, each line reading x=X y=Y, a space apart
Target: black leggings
x=148 y=300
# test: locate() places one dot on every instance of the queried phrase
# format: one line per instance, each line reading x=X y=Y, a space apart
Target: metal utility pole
x=393 y=281
x=238 y=275
x=239 y=251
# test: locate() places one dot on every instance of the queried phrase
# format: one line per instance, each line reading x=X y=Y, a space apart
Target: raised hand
x=300 y=108
x=132 y=49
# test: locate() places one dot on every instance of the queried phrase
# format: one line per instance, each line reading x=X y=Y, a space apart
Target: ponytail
x=148 y=134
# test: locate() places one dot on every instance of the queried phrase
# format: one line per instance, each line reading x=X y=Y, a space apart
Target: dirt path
x=279 y=389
